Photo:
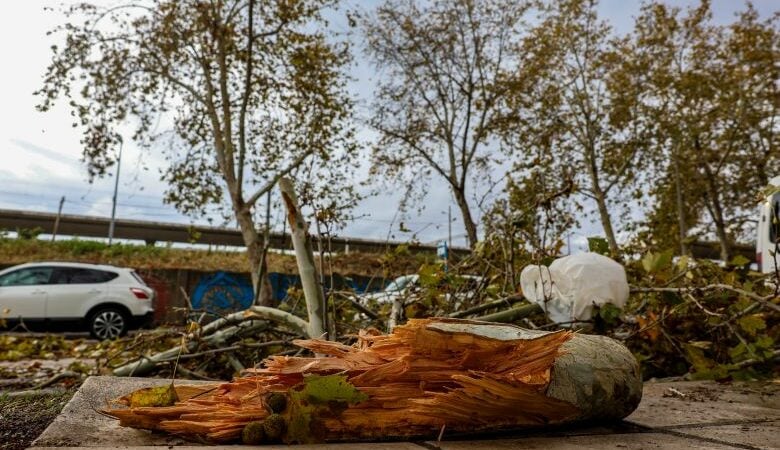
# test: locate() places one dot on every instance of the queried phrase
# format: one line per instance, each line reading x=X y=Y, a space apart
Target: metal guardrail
x=151 y=232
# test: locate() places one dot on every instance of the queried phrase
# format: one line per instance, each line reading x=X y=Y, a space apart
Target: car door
x=74 y=290
x=23 y=293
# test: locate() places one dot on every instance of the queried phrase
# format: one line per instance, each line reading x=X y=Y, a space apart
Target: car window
x=73 y=275
x=30 y=276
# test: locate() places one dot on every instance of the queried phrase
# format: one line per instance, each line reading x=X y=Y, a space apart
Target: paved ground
x=685 y=415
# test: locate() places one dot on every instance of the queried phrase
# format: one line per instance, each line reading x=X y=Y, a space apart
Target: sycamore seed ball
x=274 y=426
x=253 y=433
x=276 y=402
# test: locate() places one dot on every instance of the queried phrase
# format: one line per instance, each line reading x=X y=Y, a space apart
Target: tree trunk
x=468 y=221
x=304 y=256
x=681 y=224
x=606 y=223
x=601 y=202
x=716 y=213
x=254 y=251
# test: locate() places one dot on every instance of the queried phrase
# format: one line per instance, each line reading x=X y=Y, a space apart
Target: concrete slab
x=611 y=441
x=80 y=424
x=706 y=402
x=672 y=415
x=764 y=435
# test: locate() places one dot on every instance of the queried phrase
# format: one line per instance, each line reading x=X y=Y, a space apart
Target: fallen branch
x=292 y=321
x=510 y=315
x=506 y=301
x=146 y=364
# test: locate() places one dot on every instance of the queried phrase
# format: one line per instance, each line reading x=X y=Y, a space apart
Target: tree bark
x=601 y=200
x=715 y=209
x=681 y=223
x=606 y=223
x=468 y=220
x=254 y=250
x=304 y=256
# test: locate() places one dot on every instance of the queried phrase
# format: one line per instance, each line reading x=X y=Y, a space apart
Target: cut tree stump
x=427 y=377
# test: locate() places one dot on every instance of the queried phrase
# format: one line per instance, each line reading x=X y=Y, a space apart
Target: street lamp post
x=116 y=189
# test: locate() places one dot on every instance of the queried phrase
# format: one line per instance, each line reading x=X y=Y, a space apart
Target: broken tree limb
x=396 y=314
x=510 y=315
x=304 y=256
x=292 y=321
x=146 y=364
x=506 y=301
x=763 y=300
x=428 y=375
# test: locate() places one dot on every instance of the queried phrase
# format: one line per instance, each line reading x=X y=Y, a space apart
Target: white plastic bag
x=568 y=289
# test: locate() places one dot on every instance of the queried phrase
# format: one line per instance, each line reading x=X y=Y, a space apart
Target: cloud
x=45 y=152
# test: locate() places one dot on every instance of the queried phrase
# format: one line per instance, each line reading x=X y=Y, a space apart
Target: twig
x=751 y=362
x=357 y=305
x=764 y=300
x=56 y=378
x=706 y=311
x=192 y=374
x=186 y=298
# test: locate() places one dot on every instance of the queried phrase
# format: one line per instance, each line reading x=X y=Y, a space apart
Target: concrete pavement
x=690 y=415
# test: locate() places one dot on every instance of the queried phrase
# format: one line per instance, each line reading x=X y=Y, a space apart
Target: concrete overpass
x=151 y=232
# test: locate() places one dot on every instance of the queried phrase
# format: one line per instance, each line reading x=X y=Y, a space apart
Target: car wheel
x=107 y=323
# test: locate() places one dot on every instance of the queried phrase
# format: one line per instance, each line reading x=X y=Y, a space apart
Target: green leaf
x=695 y=356
x=609 y=313
x=154 y=397
x=653 y=262
x=740 y=261
x=752 y=324
x=318 y=395
x=598 y=244
x=682 y=263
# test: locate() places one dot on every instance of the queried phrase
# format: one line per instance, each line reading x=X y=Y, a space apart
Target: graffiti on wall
x=222 y=293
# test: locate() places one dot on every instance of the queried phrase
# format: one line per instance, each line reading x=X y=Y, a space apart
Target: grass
x=18 y=251
x=23 y=418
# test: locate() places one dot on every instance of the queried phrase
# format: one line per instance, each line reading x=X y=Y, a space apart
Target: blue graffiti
x=222 y=293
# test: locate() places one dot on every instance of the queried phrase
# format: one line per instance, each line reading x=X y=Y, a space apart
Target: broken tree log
x=427 y=377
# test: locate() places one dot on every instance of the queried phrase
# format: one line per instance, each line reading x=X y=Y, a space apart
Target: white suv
x=107 y=300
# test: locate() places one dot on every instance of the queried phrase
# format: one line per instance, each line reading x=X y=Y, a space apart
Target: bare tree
x=438 y=100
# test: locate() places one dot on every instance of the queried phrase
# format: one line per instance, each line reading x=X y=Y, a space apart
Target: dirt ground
x=23 y=418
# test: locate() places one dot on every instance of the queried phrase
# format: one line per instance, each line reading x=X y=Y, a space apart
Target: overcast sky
x=40 y=151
